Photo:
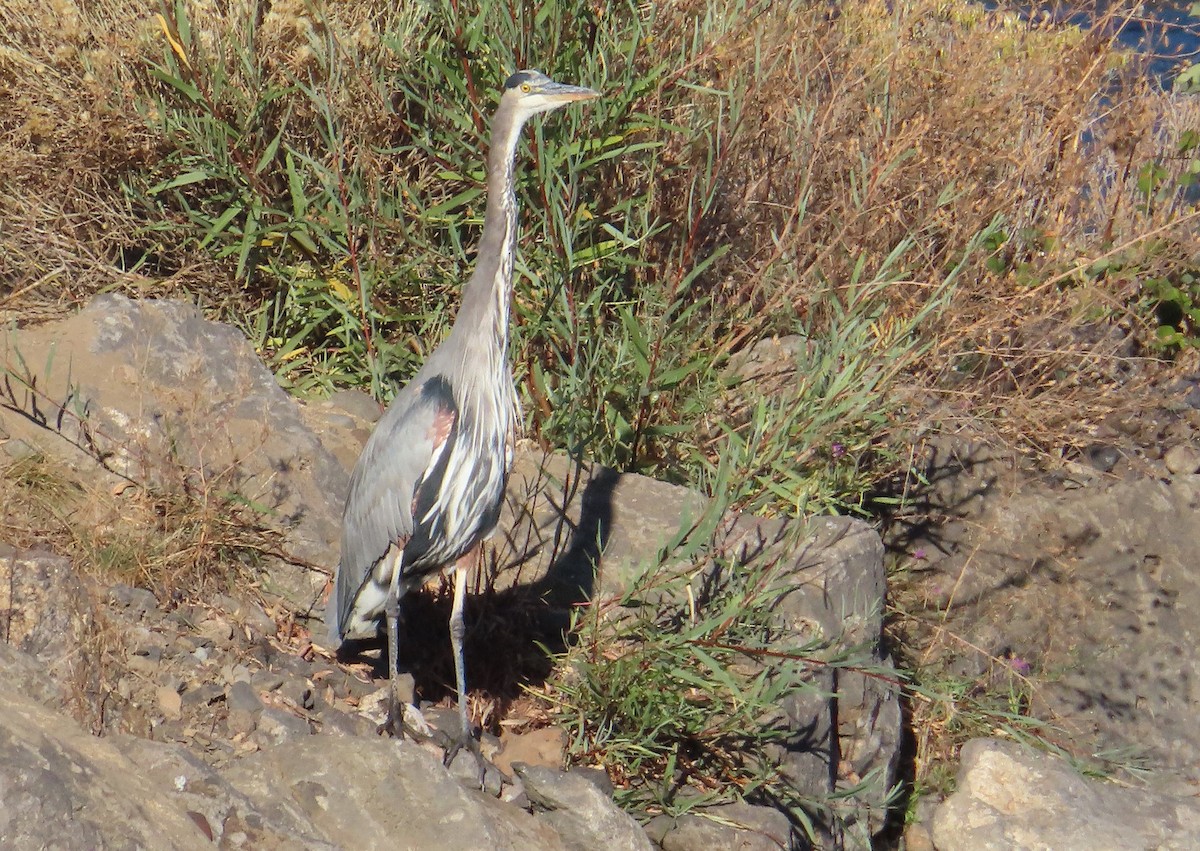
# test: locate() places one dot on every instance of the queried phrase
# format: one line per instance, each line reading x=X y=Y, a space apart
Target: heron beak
x=563 y=93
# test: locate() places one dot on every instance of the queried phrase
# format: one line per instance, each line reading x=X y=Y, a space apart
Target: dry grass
x=179 y=542
x=847 y=132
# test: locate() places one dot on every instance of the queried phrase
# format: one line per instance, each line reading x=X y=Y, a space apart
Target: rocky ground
x=221 y=719
x=1075 y=589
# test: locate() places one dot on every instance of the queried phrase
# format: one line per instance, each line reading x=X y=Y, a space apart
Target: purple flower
x=919 y=554
x=1019 y=666
x=837 y=450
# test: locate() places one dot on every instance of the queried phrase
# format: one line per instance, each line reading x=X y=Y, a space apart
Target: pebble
x=266 y=681
x=345 y=684
x=258 y=621
x=374 y=706
x=240 y=723
x=243 y=697
x=170 y=703
x=465 y=769
x=235 y=673
x=335 y=722
x=204 y=694
x=1103 y=457
x=514 y=793
x=260 y=652
x=184 y=617
x=125 y=688
x=276 y=726
x=137 y=600
x=217 y=630
x=545 y=746
x=142 y=664
x=1182 y=459
x=153 y=652
x=298 y=691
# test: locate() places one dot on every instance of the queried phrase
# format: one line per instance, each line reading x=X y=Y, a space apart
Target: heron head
x=533 y=92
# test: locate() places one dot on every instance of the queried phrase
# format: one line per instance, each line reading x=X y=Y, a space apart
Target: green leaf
x=671 y=378
x=295 y=188
x=218 y=226
x=641 y=349
x=1150 y=177
x=188 y=90
x=1188 y=80
x=185 y=179
x=462 y=199
x=268 y=156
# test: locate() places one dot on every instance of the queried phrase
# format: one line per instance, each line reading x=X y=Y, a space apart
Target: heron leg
x=391 y=610
x=458 y=630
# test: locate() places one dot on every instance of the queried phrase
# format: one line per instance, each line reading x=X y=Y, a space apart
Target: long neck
x=483 y=317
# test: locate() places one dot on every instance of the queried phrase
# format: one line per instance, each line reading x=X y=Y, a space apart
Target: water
x=1163 y=33
x=1166 y=35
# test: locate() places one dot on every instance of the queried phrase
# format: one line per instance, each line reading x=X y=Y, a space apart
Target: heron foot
x=402 y=718
x=467 y=741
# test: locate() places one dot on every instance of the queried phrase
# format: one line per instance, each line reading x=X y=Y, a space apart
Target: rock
x=47 y=612
x=223 y=813
x=276 y=726
x=166 y=389
x=1103 y=457
x=918 y=833
x=1182 y=459
x=170 y=703
x=627 y=517
x=62 y=788
x=171 y=394
x=544 y=746
x=380 y=793
x=143 y=665
x=1011 y=798
x=266 y=681
x=584 y=816
x=473 y=773
x=1098 y=585
x=137 y=600
x=596 y=776
x=737 y=827
x=335 y=722
x=833 y=567
x=22 y=674
x=298 y=691
x=199 y=696
x=218 y=630
x=241 y=696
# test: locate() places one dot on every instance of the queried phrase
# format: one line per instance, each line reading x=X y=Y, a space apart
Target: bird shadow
x=520 y=605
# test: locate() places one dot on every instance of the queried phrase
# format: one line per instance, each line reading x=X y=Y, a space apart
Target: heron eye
x=525 y=88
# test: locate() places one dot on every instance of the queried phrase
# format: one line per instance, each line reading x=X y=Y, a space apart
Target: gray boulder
x=62 y=788
x=1092 y=588
x=582 y=813
x=47 y=613
x=1010 y=798
x=163 y=396
x=380 y=793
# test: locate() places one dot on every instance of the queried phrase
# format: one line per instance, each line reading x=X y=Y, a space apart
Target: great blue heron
x=429 y=483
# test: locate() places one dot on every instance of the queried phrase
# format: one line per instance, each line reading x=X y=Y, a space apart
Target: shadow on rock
x=513 y=626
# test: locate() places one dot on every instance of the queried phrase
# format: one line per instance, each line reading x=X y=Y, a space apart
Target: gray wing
x=379 y=506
